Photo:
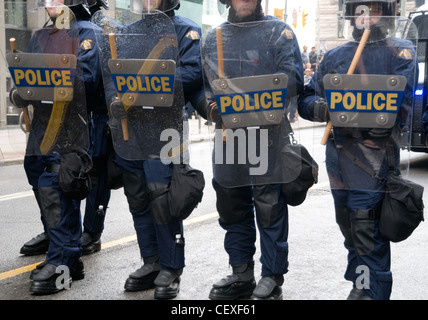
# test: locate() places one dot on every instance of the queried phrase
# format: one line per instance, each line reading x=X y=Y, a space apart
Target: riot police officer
x=146 y=177
x=53 y=134
x=357 y=195
x=252 y=44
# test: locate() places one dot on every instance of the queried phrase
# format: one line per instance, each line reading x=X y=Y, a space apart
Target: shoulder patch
x=86 y=44
x=287 y=33
x=406 y=54
x=194 y=35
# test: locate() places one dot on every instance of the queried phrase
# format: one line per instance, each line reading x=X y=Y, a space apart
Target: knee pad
x=233 y=204
x=50 y=206
x=159 y=205
x=135 y=191
x=363 y=230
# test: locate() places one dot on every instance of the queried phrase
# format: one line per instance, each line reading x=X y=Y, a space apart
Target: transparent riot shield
x=252 y=70
x=46 y=76
x=143 y=86
x=366 y=78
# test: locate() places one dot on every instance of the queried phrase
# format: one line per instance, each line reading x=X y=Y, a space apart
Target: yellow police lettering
x=362 y=101
x=121 y=81
x=252 y=101
x=376 y=104
x=238 y=100
x=349 y=101
x=43 y=77
x=391 y=102
x=336 y=97
x=224 y=103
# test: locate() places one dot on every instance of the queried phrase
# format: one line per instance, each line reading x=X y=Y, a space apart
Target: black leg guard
x=343 y=219
x=159 y=206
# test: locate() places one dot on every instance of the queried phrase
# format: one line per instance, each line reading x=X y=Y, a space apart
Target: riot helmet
x=147 y=6
x=98 y=3
x=380 y=8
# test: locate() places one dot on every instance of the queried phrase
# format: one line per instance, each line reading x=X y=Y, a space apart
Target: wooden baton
x=113 y=50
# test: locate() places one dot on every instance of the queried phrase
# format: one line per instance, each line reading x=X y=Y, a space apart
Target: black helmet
x=99 y=3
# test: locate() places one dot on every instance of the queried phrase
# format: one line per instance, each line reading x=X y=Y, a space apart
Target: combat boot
x=168 y=284
x=37 y=245
x=47 y=281
x=357 y=294
x=91 y=242
x=78 y=273
x=144 y=277
x=239 y=285
x=269 y=288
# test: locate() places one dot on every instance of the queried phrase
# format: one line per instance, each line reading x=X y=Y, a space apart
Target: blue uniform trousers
x=369 y=255
x=154 y=237
x=236 y=210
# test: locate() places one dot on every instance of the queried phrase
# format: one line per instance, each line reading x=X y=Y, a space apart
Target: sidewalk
x=13 y=139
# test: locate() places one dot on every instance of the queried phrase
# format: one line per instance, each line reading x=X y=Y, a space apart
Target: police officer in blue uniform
x=357 y=195
x=146 y=180
x=60 y=212
x=253 y=44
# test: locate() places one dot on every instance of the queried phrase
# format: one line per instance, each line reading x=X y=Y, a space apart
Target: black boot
x=91 y=242
x=38 y=245
x=144 y=277
x=239 y=285
x=46 y=281
x=357 y=294
x=269 y=288
x=78 y=273
x=168 y=284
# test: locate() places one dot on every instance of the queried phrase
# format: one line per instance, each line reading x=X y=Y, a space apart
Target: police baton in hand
x=113 y=50
x=14 y=48
x=351 y=70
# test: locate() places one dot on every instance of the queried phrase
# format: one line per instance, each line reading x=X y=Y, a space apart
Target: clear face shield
x=152 y=6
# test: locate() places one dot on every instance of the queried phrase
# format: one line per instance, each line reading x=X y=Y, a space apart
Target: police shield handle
x=14 y=48
x=220 y=62
x=351 y=70
x=113 y=50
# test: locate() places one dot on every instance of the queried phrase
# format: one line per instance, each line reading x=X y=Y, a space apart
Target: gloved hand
x=16 y=99
x=213 y=114
x=117 y=109
x=319 y=111
x=379 y=133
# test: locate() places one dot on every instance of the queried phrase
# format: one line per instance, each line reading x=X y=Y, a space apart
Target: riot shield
x=46 y=76
x=252 y=70
x=366 y=76
x=143 y=86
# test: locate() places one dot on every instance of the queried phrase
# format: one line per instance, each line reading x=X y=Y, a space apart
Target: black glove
x=319 y=111
x=117 y=110
x=16 y=99
x=213 y=114
x=379 y=133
